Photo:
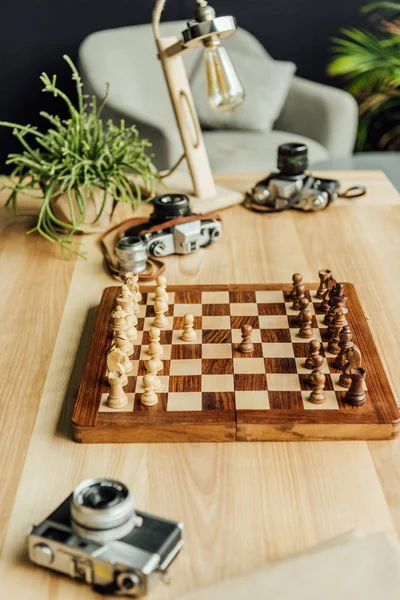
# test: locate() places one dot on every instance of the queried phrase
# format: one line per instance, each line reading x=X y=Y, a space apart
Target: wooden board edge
x=317 y=432
x=147 y=434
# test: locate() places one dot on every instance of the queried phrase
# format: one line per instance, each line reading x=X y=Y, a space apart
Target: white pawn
x=156 y=350
x=152 y=369
x=149 y=396
x=161 y=290
x=117 y=397
x=127 y=300
x=160 y=321
x=188 y=335
x=154 y=335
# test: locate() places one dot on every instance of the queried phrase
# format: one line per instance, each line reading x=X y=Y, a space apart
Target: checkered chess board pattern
x=210 y=374
x=209 y=383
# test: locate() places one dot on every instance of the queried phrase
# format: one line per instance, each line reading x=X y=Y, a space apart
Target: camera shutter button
x=43 y=554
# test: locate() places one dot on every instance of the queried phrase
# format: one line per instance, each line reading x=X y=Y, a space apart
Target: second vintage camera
x=96 y=536
x=171 y=229
x=292 y=186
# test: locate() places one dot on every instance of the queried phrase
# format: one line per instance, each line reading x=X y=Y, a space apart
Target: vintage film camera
x=293 y=186
x=96 y=536
x=171 y=229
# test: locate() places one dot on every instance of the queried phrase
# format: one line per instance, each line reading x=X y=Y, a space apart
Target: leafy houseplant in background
x=371 y=63
x=80 y=166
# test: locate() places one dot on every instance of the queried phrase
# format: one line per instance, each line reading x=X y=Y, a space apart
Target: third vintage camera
x=292 y=186
x=96 y=536
x=171 y=229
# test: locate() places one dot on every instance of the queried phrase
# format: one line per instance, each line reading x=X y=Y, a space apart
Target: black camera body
x=96 y=536
x=292 y=186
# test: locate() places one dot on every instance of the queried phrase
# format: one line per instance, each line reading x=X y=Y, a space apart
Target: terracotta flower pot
x=61 y=209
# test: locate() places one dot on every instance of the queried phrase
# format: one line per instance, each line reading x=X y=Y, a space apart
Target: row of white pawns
x=125 y=320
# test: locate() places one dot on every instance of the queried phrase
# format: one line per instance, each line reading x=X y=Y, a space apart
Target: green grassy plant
x=74 y=157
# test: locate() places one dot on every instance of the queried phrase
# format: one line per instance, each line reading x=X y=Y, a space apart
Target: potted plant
x=80 y=165
x=371 y=63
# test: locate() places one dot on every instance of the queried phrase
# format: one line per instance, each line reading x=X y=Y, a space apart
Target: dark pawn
x=246 y=346
x=297 y=278
x=355 y=395
x=300 y=293
x=317 y=395
x=317 y=366
x=345 y=341
x=314 y=349
x=336 y=295
x=324 y=306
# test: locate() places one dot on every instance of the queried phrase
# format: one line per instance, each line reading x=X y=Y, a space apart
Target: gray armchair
x=323 y=117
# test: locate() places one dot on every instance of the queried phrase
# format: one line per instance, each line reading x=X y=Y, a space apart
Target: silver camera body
x=96 y=536
x=171 y=229
x=292 y=186
x=184 y=238
x=307 y=194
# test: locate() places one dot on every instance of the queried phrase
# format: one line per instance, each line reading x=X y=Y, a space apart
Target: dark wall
x=36 y=33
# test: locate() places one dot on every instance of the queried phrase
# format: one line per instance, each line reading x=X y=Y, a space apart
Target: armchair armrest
x=322 y=113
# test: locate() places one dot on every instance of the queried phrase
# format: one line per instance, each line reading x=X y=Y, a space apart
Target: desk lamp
x=225 y=93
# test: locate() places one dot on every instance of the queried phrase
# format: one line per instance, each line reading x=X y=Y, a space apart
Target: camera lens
x=99 y=496
x=102 y=510
x=292 y=159
x=170 y=206
x=131 y=253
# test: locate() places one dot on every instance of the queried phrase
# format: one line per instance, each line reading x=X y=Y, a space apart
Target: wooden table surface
x=242 y=504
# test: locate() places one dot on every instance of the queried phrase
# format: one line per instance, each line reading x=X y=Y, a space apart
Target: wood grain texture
x=294 y=494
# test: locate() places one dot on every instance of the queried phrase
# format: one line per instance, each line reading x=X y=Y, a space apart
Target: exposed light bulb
x=224 y=90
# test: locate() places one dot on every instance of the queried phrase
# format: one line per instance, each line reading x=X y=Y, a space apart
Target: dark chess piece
x=339 y=321
x=297 y=278
x=317 y=396
x=314 y=349
x=325 y=275
x=324 y=306
x=300 y=293
x=336 y=295
x=305 y=319
x=246 y=346
x=343 y=311
x=355 y=395
x=353 y=357
x=345 y=342
x=317 y=367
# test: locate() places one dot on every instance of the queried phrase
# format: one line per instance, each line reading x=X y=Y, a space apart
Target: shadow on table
x=64 y=427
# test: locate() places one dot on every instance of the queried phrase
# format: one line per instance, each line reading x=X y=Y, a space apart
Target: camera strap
x=154 y=266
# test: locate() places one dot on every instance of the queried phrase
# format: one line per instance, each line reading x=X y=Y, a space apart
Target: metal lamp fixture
x=224 y=91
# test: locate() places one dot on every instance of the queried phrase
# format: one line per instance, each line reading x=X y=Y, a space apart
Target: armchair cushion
x=266 y=83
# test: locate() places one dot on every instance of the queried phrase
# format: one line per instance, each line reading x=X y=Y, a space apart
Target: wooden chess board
x=210 y=392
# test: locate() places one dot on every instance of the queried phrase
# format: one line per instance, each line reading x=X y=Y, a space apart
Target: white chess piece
x=152 y=369
x=154 y=334
x=149 y=396
x=160 y=321
x=127 y=301
x=188 y=334
x=156 y=350
x=115 y=363
x=161 y=289
x=117 y=397
x=121 y=341
x=119 y=322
